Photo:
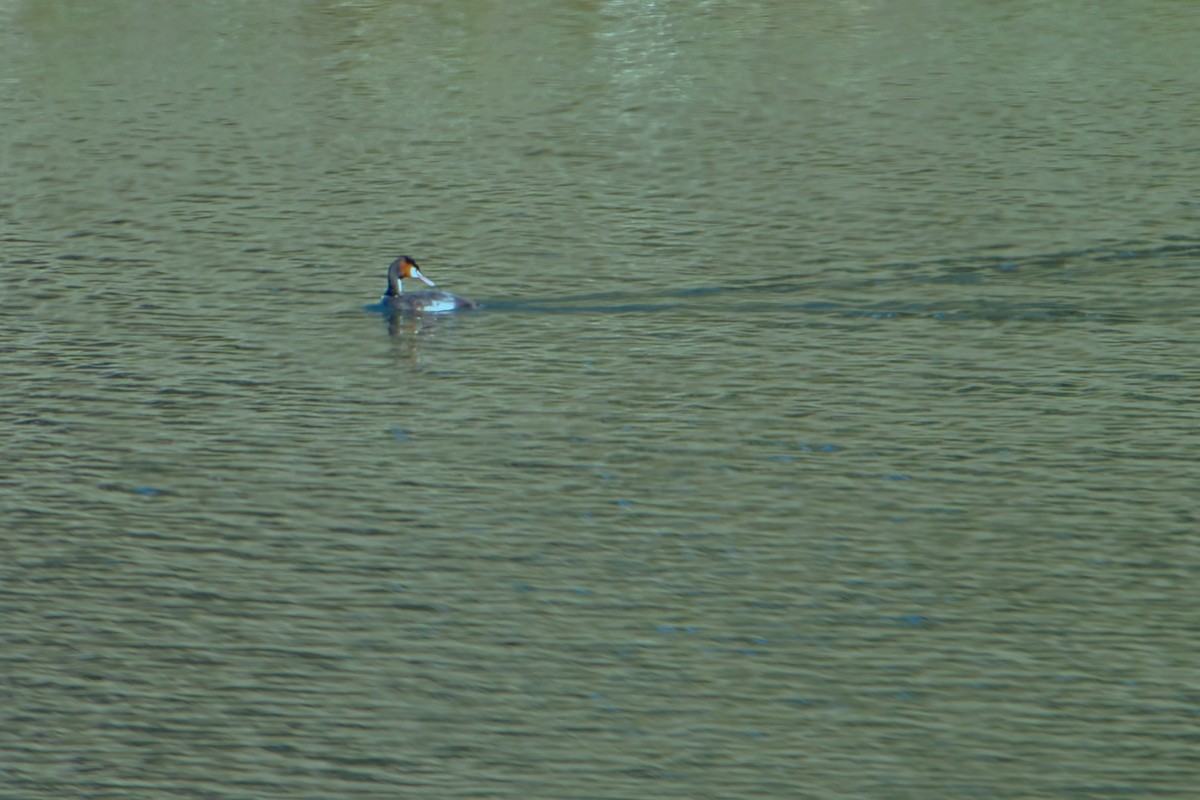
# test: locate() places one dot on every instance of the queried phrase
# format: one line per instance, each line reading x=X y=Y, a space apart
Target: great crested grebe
x=436 y=302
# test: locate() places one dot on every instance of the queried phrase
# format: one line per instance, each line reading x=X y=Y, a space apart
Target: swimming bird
x=437 y=302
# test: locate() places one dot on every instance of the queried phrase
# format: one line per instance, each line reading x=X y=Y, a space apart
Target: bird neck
x=393 y=289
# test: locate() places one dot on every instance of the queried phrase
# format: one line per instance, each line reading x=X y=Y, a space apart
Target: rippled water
x=829 y=431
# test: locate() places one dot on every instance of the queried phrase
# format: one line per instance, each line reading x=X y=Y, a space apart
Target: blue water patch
x=817 y=448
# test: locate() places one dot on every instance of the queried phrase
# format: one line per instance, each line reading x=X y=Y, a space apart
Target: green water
x=830 y=430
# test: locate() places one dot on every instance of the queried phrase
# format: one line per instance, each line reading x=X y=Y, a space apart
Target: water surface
x=829 y=432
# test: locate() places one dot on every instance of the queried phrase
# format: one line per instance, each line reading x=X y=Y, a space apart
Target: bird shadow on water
x=410 y=326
